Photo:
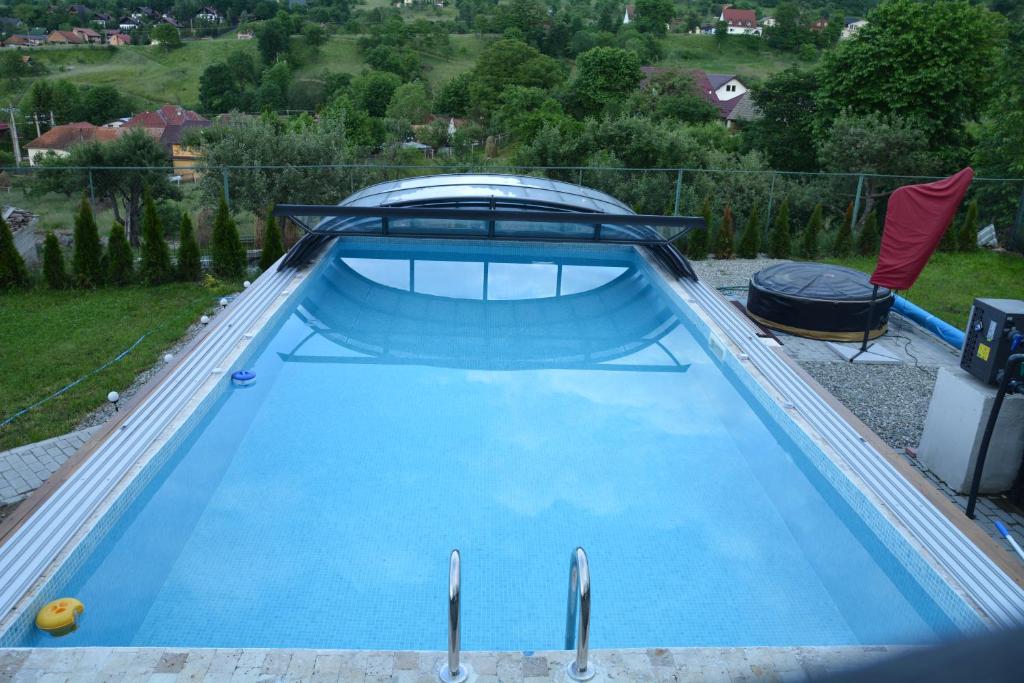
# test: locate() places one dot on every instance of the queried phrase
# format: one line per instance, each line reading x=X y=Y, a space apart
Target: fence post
x=679 y=191
x=1017 y=238
x=92 y=192
x=579 y=179
x=227 y=195
x=771 y=202
x=856 y=199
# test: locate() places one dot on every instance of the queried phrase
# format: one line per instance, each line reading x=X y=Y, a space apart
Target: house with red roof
x=725 y=92
x=740 y=21
x=88 y=35
x=168 y=125
x=64 y=38
x=60 y=139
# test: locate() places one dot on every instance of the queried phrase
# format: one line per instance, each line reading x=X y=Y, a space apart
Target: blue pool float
x=243 y=378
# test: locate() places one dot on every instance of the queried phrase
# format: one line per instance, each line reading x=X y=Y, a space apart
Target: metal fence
x=668 y=191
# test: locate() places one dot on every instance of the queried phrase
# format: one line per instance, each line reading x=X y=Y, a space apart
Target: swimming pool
x=513 y=401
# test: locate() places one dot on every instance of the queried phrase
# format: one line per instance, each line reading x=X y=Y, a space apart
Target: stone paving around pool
x=159 y=665
x=24 y=469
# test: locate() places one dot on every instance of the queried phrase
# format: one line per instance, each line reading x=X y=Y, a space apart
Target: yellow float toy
x=60 y=617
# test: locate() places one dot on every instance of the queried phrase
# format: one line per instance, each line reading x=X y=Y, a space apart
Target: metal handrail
x=452 y=671
x=579 y=591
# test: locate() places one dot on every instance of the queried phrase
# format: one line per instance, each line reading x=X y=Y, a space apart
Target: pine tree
x=229 y=259
x=53 y=263
x=724 y=237
x=967 y=235
x=809 y=238
x=750 y=241
x=779 y=243
x=697 y=244
x=13 y=272
x=88 y=252
x=273 y=248
x=120 y=259
x=868 y=239
x=842 y=246
x=190 y=266
x=155 y=267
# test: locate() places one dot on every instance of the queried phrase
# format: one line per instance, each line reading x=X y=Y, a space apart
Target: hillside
x=152 y=76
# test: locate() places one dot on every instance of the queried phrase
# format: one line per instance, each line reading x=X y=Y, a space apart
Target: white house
x=726 y=86
x=852 y=26
x=740 y=21
x=210 y=14
x=768 y=22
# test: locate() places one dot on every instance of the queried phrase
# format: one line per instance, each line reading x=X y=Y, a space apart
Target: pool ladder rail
x=576 y=620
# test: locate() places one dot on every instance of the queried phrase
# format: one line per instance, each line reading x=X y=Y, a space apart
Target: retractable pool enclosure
x=492 y=207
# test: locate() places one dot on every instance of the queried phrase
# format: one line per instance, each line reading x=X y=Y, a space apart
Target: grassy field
x=52 y=338
x=734 y=57
x=950 y=282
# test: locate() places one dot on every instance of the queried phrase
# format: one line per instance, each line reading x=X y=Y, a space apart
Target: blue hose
x=939 y=328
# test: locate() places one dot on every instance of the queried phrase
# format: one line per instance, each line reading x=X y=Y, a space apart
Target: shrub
x=273 y=248
x=842 y=245
x=53 y=263
x=229 y=258
x=85 y=260
x=120 y=259
x=190 y=267
x=967 y=235
x=809 y=238
x=697 y=244
x=724 y=237
x=156 y=258
x=13 y=272
x=750 y=241
x=779 y=243
x=868 y=239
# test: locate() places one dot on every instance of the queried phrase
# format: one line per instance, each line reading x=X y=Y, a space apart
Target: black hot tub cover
x=817 y=300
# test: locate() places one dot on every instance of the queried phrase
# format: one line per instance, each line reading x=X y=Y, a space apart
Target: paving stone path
x=24 y=469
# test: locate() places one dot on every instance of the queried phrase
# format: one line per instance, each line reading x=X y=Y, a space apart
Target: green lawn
x=733 y=57
x=52 y=338
x=950 y=282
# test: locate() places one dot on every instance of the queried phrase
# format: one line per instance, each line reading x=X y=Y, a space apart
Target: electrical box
x=995 y=329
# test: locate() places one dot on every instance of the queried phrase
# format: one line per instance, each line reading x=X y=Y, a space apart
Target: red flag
x=914 y=223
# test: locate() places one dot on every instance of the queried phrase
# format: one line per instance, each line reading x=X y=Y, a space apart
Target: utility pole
x=14 y=135
x=53 y=124
x=35 y=117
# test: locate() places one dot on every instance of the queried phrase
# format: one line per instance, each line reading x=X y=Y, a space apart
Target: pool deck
x=176 y=665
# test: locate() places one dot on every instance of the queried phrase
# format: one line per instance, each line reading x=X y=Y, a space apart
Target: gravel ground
x=732 y=272
x=890 y=399
x=106 y=411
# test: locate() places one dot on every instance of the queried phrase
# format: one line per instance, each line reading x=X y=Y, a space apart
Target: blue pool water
x=513 y=402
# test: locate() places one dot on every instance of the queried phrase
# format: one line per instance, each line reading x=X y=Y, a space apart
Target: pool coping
x=968 y=560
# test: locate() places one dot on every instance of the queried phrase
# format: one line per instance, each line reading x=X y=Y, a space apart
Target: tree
x=842 y=246
x=272 y=40
x=967 y=235
x=721 y=33
x=314 y=35
x=724 y=236
x=604 y=75
x=217 y=89
x=876 y=144
x=410 y=102
x=229 y=258
x=373 y=91
x=1000 y=149
x=166 y=36
x=13 y=272
x=505 y=63
x=87 y=250
x=779 y=240
x=786 y=130
x=930 y=63
x=190 y=267
x=120 y=259
x=155 y=268
x=809 y=238
x=790 y=30
x=750 y=240
x=151 y=171
x=453 y=97
x=273 y=249
x=273 y=90
x=53 y=263
x=868 y=239
x=653 y=16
